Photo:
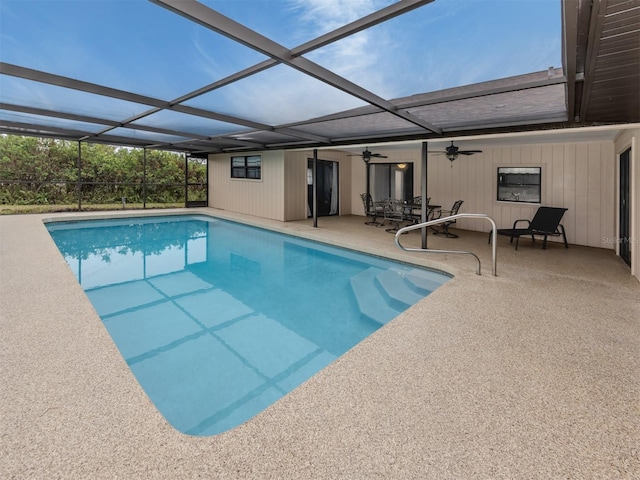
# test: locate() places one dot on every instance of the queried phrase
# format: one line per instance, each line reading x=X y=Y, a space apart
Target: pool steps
x=423 y=282
x=382 y=295
x=398 y=291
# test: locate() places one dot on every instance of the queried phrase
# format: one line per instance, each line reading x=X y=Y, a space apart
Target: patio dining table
x=413 y=211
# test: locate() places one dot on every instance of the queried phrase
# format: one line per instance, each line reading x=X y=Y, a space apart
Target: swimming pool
x=217 y=320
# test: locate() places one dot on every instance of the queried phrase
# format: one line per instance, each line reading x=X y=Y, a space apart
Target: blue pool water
x=218 y=320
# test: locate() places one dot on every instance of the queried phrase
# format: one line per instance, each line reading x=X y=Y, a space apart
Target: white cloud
x=355 y=57
x=283 y=95
x=328 y=15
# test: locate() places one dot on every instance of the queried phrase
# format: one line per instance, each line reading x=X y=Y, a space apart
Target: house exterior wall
x=296 y=181
x=281 y=193
x=263 y=198
x=577 y=176
x=631 y=139
x=582 y=177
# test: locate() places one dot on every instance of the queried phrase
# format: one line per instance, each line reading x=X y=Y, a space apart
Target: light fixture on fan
x=402 y=166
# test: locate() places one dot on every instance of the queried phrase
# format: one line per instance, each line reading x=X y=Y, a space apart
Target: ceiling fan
x=452 y=152
x=367 y=155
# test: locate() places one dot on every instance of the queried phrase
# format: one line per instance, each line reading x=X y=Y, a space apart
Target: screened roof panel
x=267 y=139
x=20 y=91
x=151 y=137
x=304 y=21
x=171 y=120
x=543 y=103
x=276 y=96
x=58 y=123
x=129 y=45
x=406 y=55
x=361 y=125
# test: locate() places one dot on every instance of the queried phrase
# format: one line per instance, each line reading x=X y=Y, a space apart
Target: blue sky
x=138 y=46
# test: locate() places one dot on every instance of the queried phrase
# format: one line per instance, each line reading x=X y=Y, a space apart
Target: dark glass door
x=327 y=193
x=625 y=197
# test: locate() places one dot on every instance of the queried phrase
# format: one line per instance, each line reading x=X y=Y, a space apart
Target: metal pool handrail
x=446 y=219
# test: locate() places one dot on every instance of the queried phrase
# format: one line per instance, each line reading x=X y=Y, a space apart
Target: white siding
x=262 y=198
x=577 y=176
x=281 y=193
x=580 y=177
x=295 y=185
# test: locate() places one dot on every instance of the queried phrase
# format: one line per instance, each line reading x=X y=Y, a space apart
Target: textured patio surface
x=533 y=374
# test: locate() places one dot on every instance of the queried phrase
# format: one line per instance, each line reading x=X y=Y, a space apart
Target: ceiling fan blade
x=367 y=154
x=469 y=152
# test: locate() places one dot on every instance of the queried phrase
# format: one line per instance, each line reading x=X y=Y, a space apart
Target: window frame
x=246 y=171
x=535 y=170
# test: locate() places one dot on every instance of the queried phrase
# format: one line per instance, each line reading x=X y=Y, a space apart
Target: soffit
x=603 y=60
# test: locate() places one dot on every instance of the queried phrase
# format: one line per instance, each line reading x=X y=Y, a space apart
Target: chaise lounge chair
x=545 y=222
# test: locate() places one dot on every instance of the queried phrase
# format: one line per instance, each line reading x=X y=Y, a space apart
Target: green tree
x=45 y=171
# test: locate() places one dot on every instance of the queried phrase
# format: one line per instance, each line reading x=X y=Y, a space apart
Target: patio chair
x=414 y=209
x=395 y=211
x=418 y=200
x=371 y=210
x=445 y=225
x=545 y=222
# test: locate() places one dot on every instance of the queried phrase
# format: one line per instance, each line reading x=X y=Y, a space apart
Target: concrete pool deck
x=533 y=374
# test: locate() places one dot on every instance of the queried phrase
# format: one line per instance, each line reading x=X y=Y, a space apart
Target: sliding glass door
x=328 y=192
x=391 y=181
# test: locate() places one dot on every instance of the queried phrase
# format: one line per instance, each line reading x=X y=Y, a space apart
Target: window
x=519 y=184
x=246 y=167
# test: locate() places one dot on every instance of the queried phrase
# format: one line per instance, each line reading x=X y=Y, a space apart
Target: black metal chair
x=418 y=200
x=545 y=222
x=415 y=208
x=445 y=225
x=371 y=210
x=395 y=211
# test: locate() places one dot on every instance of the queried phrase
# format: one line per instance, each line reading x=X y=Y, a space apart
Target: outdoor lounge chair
x=445 y=225
x=545 y=222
